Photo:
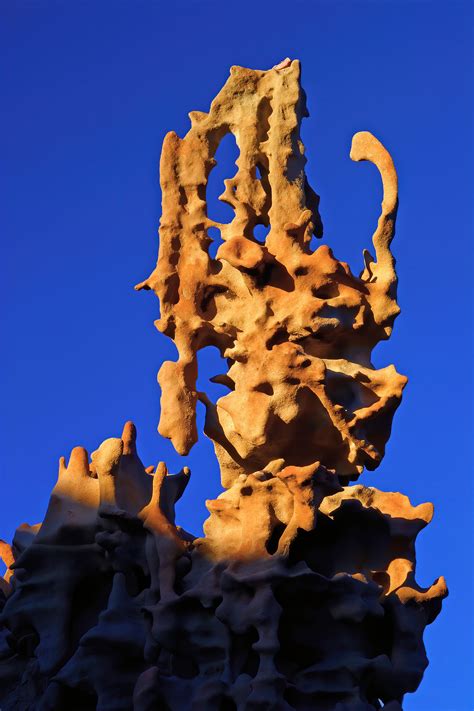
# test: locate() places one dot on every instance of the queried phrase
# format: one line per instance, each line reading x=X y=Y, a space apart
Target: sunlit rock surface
x=302 y=592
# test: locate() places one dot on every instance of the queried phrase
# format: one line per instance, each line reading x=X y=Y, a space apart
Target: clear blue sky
x=89 y=90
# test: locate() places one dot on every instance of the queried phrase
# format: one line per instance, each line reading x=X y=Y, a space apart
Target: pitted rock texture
x=301 y=594
x=296 y=326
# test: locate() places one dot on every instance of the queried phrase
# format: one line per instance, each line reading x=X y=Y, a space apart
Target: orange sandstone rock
x=295 y=325
x=302 y=592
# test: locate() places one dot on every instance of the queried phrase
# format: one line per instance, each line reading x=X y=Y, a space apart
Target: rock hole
x=326 y=291
x=272 y=544
x=78 y=699
x=227 y=704
x=280 y=336
x=265 y=388
x=382 y=578
x=207 y=306
x=24 y=642
x=225 y=157
x=184 y=667
x=260 y=233
x=344 y=390
x=314 y=243
x=214 y=234
x=211 y=363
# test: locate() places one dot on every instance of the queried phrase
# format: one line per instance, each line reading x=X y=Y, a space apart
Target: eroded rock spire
x=302 y=592
x=295 y=326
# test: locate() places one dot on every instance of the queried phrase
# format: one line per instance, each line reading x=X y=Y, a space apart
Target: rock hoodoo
x=302 y=592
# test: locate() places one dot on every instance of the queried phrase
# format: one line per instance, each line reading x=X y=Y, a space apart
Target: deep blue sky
x=89 y=90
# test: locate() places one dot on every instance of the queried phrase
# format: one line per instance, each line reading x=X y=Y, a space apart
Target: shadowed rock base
x=113 y=607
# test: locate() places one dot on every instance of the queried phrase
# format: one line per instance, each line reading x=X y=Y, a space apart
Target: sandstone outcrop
x=301 y=594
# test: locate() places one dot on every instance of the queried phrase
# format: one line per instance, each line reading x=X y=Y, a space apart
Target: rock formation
x=302 y=592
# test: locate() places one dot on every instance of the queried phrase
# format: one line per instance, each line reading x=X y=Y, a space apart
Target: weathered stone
x=302 y=592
